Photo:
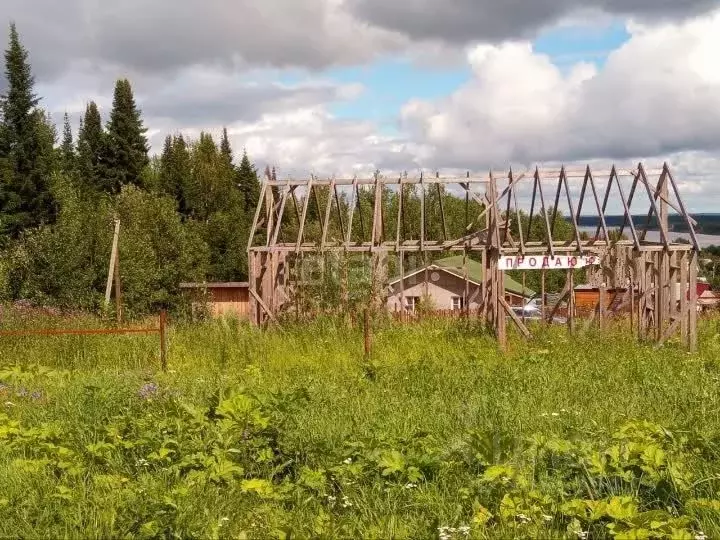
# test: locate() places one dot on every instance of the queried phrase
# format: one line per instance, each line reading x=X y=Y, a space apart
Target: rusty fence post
x=163 y=340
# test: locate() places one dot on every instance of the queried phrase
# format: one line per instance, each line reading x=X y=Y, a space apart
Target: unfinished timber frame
x=658 y=277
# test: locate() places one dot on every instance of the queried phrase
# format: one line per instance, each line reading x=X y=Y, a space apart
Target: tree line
x=184 y=213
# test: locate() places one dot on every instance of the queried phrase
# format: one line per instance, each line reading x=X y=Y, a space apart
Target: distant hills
x=707 y=223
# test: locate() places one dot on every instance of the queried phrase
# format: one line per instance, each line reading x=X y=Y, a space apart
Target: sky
x=338 y=87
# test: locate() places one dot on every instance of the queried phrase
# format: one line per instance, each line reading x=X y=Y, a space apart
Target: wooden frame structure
x=660 y=276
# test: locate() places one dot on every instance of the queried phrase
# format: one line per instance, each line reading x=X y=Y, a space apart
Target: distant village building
x=443 y=284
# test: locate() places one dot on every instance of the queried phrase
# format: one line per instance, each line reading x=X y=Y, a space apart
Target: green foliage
x=589 y=438
x=126 y=153
x=91 y=148
x=26 y=148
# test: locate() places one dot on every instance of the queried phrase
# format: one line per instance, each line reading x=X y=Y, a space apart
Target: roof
x=454 y=265
x=216 y=285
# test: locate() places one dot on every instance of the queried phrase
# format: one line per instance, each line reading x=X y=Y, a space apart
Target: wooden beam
x=545 y=214
x=326 y=221
x=263 y=305
x=306 y=204
x=683 y=211
x=258 y=209
x=523 y=329
x=572 y=211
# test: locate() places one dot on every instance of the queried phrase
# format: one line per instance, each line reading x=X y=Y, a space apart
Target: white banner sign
x=546 y=262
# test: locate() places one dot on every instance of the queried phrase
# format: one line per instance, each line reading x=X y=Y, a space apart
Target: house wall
x=441 y=288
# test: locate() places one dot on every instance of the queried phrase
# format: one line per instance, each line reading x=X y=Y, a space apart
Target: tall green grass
x=401 y=444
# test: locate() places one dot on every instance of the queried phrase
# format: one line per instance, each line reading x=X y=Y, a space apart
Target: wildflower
x=464 y=530
x=444 y=533
x=547 y=518
x=331 y=499
x=348 y=461
x=700 y=536
x=148 y=390
x=555 y=414
x=523 y=518
x=410 y=485
x=346 y=502
x=582 y=535
x=223 y=521
x=142 y=462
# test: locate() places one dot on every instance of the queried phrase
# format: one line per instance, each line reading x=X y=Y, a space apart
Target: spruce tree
x=248 y=182
x=225 y=148
x=25 y=199
x=127 y=148
x=91 y=149
x=67 y=148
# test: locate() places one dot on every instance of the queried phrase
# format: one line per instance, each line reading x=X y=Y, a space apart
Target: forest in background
x=185 y=213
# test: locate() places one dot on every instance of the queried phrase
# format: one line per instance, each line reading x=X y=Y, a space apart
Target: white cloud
x=658 y=94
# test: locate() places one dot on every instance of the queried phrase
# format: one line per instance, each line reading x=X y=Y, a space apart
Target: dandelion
x=148 y=390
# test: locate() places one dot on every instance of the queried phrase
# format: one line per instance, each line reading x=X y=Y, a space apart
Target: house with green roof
x=443 y=284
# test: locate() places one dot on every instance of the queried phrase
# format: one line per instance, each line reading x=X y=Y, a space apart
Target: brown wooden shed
x=221 y=299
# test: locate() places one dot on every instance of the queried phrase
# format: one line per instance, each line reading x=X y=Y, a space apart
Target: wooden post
x=163 y=340
x=118 y=288
x=542 y=295
x=602 y=306
x=111 y=267
x=692 y=330
x=402 y=286
x=367 y=333
x=684 y=294
x=523 y=296
x=571 y=302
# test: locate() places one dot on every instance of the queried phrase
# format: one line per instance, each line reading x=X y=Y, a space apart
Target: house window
x=458 y=302
x=411 y=303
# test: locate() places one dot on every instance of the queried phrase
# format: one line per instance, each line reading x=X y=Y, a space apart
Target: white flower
x=142 y=462
x=348 y=461
x=464 y=530
x=547 y=518
x=409 y=485
x=582 y=535
x=523 y=518
x=555 y=414
x=223 y=521
x=346 y=502
x=700 y=536
x=331 y=499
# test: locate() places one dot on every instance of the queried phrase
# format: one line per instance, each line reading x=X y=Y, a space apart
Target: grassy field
x=292 y=433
